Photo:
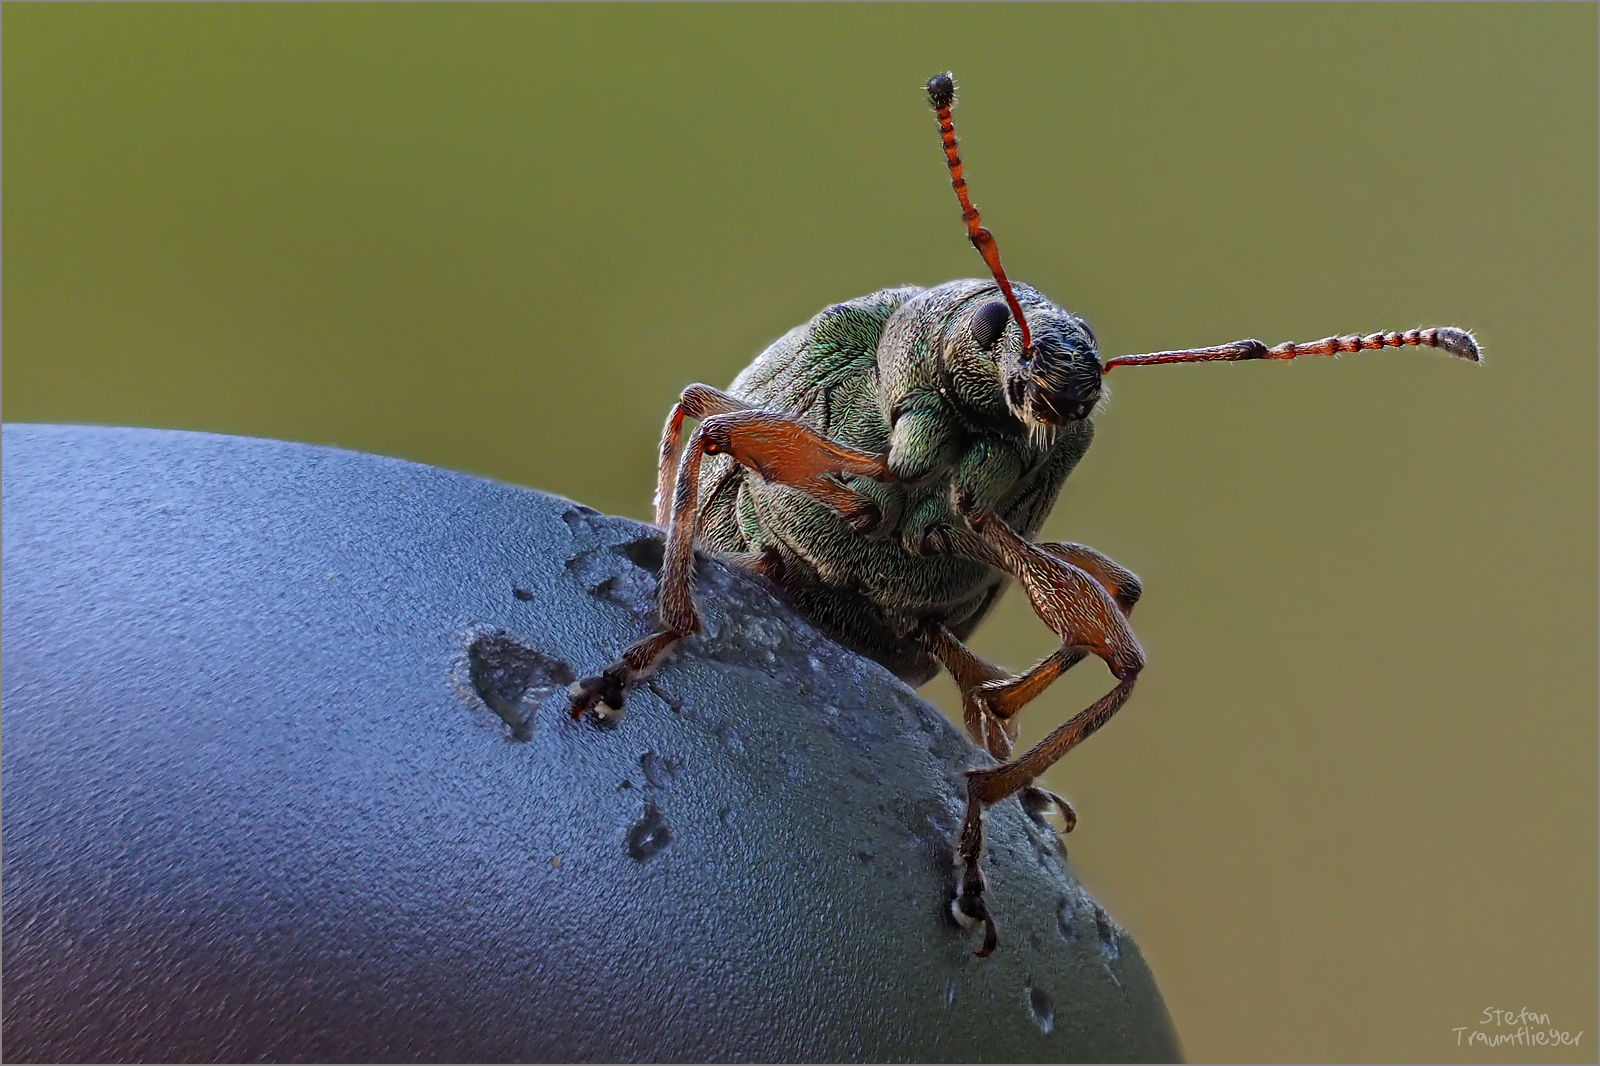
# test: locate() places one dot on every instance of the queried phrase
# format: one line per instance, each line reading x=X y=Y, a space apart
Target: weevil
x=888 y=464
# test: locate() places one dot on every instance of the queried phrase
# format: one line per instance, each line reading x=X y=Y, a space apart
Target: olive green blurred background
x=1353 y=802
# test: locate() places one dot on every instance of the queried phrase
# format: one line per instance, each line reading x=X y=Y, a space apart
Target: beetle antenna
x=1457 y=342
x=942 y=97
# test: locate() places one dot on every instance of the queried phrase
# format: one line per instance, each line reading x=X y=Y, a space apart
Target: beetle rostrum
x=1057 y=381
x=888 y=464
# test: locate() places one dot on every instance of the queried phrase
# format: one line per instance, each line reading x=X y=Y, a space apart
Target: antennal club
x=942 y=97
x=1457 y=342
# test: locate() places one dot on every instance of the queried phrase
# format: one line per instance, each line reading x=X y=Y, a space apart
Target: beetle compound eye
x=989 y=322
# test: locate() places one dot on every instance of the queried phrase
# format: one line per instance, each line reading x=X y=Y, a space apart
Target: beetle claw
x=1036 y=801
x=606 y=688
x=969 y=909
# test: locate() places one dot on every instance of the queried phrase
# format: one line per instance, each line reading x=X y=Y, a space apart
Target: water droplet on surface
x=649 y=834
x=1108 y=932
x=1064 y=921
x=506 y=673
x=660 y=771
x=1041 y=1010
x=647 y=553
x=578 y=514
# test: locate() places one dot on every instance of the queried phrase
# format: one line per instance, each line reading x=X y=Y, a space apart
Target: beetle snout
x=1057 y=406
x=1058 y=385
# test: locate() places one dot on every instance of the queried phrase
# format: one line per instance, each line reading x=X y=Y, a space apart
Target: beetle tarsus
x=1036 y=801
x=969 y=911
x=605 y=688
x=968 y=907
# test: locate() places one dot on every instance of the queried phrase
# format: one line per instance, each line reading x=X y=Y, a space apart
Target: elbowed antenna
x=1457 y=342
x=942 y=97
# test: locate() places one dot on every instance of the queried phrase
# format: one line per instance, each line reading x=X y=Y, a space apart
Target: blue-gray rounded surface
x=288 y=775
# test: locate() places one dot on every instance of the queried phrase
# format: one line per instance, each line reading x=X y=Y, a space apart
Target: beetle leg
x=1076 y=605
x=768 y=563
x=779 y=448
x=697 y=402
x=674 y=601
x=1121 y=583
x=995 y=734
x=1118 y=582
x=785 y=451
x=969 y=671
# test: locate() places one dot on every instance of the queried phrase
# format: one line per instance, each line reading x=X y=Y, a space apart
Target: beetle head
x=1057 y=380
x=1050 y=371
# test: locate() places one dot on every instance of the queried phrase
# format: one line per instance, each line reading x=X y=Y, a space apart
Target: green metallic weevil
x=888 y=464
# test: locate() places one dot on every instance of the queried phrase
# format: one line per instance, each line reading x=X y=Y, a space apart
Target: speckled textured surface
x=288 y=775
